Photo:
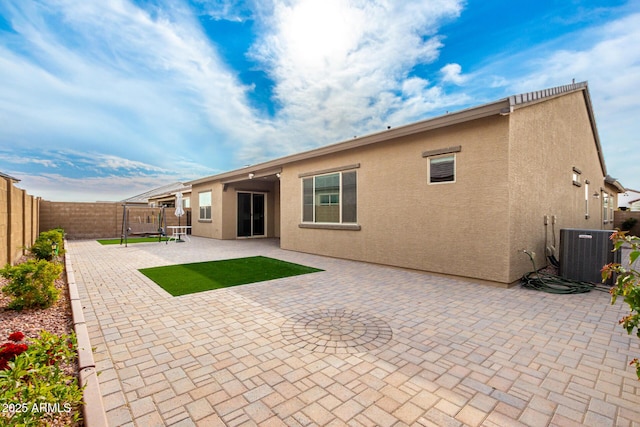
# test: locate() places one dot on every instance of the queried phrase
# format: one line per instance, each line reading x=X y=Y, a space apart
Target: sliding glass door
x=251 y=214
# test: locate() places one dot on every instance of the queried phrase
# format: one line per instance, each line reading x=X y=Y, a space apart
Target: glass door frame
x=252 y=234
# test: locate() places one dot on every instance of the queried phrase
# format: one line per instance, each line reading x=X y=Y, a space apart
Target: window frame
x=605 y=207
x=586 y=199
x=611 y=208
x=316 y=200
x=576 y=176
x=201 y=206
x=441 y=156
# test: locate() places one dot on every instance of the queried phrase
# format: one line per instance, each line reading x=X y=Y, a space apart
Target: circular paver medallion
x=336 y=331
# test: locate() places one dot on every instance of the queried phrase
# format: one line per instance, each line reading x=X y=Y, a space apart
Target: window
x=586 y=199
x=186 y=202
x=330 y=198
x=204 y=202
x=576 y=177
x=442 y=169
x=611 y=201
x=607 y=208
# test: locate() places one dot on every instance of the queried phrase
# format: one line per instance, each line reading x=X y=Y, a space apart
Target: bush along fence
x=37 y=379
x=19 y=219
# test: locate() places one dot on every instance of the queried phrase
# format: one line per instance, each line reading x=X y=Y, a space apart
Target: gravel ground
x=56 y=320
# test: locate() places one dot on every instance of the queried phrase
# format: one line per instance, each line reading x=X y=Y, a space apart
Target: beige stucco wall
x=512 y=172
x=547 y=141
x=455 y=228
x=207 y=228
x=223 y=224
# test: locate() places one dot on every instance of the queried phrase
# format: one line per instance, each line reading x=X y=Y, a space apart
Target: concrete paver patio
x=356 y=344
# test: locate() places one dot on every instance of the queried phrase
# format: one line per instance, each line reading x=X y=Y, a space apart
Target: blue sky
x=102 y=100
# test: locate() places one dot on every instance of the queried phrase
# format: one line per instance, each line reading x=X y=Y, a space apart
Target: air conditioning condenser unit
x=583 y=253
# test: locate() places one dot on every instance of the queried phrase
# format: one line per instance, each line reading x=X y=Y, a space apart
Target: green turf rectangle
x=130 y=240
x=186 y=279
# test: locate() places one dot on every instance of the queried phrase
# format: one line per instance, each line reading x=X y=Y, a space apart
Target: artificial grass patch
x=186 y=279
x=130 y=240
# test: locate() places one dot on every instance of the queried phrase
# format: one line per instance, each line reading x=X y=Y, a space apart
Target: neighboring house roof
x=502 y=107
x=160 y=191
x=628 y=194
x=4 y=175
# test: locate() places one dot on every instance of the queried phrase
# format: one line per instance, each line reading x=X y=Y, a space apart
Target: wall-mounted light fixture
x=278 y=175
x=596 y=195
x=251 y=175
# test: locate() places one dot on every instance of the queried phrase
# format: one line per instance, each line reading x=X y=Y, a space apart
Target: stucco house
x=460 y=194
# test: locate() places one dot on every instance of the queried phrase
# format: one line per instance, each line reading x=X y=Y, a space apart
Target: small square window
x=576 y=177
x=442 y=169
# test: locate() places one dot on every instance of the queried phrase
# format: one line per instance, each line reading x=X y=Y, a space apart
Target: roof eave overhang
x=614 y=183
x=527 y=99
x=272 y=167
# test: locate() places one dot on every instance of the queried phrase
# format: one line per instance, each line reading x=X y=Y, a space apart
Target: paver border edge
x=93 y=411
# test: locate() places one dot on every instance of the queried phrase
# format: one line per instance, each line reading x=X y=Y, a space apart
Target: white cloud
x=612 y=67
x=144 y=86
x=142 y=91
x=453 y=73
x=62 y=188
x=9 y=157
x=137 y=86
x=340 y=66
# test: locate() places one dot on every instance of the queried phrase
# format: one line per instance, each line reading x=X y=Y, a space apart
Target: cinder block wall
x=98 y=220
x=621 y=216
x=19 y=222
x=82 y=220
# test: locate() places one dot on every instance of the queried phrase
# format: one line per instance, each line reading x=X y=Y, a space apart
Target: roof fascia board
x=594 y=128
x=486 y=110
x=614 y=182
x=243 y=174
x=530 y=98
x=501 y=107
x=8 y=177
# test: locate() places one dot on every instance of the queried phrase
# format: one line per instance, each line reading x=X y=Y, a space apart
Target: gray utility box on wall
x=583 y=253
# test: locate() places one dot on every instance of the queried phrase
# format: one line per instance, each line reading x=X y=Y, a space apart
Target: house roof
x=500 y=107
x=160 y=191
x=4 y=175
x=614 y=182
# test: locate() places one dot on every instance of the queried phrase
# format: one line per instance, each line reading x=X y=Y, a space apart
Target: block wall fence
x=99 y=220
x=19 y=221
x=621 y=216
x=82 y=220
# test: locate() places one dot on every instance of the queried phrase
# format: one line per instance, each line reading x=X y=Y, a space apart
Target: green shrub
x=32 y=284
x=35 y=386
x=627 y=285
x=43 y=247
